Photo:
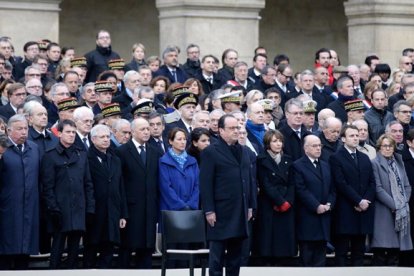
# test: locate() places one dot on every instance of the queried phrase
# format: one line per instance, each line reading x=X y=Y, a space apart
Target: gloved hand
x=282 y=208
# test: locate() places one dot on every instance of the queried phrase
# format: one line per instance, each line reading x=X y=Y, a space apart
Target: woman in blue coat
x=179 y=175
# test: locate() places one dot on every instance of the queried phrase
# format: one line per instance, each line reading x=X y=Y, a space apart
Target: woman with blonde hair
x=138 y=57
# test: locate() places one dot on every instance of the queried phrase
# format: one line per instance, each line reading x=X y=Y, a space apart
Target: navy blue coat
x=19 y=200
x=179 y=187
x=293 y=146
x=163 y=71
x=352 y=184
x=67 y=187
x=226 y=189
x=313 y=188
x=45 y=143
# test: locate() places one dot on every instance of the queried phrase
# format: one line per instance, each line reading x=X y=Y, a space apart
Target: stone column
x=214 y=25
x=25 y=20
x=383 y=27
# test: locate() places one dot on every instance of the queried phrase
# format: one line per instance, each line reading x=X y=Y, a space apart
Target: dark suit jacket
x=163 y=71
x=337 y=106
x=141 y=189
x=293 y=146
x=313 y=187
x=124 y=101
x=166 y=145
x=226 y=188
x=79 y=143
x=7 y=111
x=207 y=86
x=253 y=76
x=45 y=143
x=353 y=183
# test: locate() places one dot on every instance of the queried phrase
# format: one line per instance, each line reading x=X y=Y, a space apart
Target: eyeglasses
x=104 y=37
x=87 y=121
x=2 y=63
x=63 y=94
x=35 y=87
x=287 y=77
x=407 y=63
x=387 y=146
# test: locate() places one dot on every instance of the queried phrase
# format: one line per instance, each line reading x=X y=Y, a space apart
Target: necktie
x=85 y=142
x=174 y=73
x=20 y=148
x=354 y=156
x=210 y=80
x=316 y=163
x=190 y=129
x=143 y=154
x=298 y=133
x=160 y=145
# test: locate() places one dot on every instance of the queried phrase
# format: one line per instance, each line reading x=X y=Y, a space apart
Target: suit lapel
x=134 y=152
x=224 y=149
x=311 y=167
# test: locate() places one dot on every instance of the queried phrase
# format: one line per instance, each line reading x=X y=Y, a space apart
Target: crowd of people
x=282 y=163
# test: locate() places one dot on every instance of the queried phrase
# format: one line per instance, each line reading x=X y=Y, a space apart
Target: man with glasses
x=97 y=60
x=31 y=50
x=31 y=72
x=58 y=92
x=293 y=130
x=228 y=197
x=283 y=76
x=402 y=113
x=315 y=196
x=17 y=95
x=83 y=118
x=34 y=87
x=405 y=64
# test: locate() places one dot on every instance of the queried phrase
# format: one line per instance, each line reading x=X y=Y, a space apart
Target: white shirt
x=137 y=145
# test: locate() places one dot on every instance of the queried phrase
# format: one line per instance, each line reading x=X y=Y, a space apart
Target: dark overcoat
x=141 y=189
x=67 y=187
x=313 y=187
x=19 y=200
x=110 y=199
x=275 y=231
x=352 y=183
x=226 y=188
x=293 y=146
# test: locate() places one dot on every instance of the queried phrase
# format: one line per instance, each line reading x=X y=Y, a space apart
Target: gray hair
x=329 y=121
x=239 y=64
x=197 y=114
x=135 y=122
x=82 y=111
x=168 y=50
x=294 y=102
x=398 y=104
x=26 y=70
x=55 y=86
x=390 y=124
x=120 y=123
x=142 y=89
x=16 y=118
x=306 y=72
x=85 y=87
x=129 y=74
x=99 y=128
x=29 y=106
x=358 y=122
x=266 y=69
x=215 y=94
x=217 y=111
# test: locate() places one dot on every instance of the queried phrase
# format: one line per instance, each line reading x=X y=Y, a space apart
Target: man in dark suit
x=139 y=162
x=315 y=198
x=355 y=187
x=293 y=130
x=255 y=72
x=227 y=197
x=321 y=82
x=345 y=87
x=157 y=126
x=132 y=82
x=209 y=80
x=17 y=94
x=170 y=68
x=83 y=118
x=103 y=231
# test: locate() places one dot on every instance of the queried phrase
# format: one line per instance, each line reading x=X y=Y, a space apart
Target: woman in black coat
x=275 y=232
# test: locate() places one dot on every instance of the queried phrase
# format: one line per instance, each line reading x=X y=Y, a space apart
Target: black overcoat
x=142 y=194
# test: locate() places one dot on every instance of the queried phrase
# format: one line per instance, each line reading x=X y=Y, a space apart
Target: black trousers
x=385 y=256
x=142 y=260
x=58 y=245
x=17 y=262
x=232 y=260
x=344 y=244
x=312 y=253
x=106 y=253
